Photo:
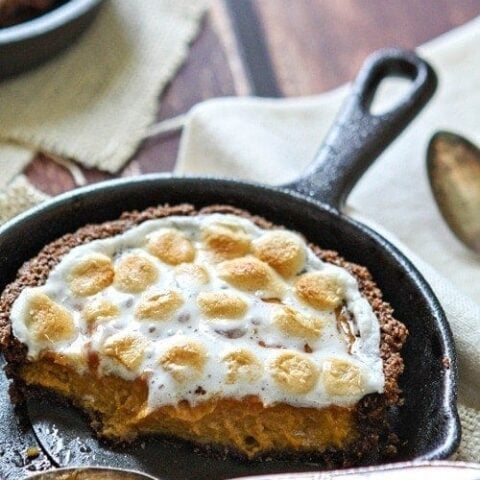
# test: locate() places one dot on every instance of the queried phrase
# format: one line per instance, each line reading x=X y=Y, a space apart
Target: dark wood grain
x=53 y=179
x=253 y=50
x=314 y=45
x=204 y=75
x=317 y=45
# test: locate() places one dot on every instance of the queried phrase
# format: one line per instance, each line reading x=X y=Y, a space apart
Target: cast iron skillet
x=30 y=43
x=427 y=423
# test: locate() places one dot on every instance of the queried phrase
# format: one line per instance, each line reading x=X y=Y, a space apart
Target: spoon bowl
x=91 y=473
x=453 y=165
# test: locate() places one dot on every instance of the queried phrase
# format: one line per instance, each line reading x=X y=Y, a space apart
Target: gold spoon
x=453 y=165
x=91 y=473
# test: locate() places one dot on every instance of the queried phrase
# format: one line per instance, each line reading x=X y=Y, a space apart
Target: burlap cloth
x=273 y=140
x=96 y=100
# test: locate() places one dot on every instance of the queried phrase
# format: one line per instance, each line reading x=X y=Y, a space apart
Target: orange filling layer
x=244 y=425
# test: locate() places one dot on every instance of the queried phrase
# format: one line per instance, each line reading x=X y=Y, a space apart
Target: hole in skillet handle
x=389 y=94
x=358 y=137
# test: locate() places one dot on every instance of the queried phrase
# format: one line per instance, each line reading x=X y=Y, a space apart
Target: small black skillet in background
x=35 y=40
x=427 y=423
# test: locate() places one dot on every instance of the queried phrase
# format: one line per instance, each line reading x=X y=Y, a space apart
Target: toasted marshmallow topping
x=207 y=306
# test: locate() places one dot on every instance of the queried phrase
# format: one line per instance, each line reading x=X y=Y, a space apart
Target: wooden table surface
x=303 y=46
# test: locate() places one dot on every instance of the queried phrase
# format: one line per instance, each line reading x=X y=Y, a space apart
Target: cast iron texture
x=428 y=422
x=28 y=44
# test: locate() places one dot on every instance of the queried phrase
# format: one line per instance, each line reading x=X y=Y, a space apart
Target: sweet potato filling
x=241 y=425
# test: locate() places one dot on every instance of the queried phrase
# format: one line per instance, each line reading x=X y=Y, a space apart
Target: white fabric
x=271 y=141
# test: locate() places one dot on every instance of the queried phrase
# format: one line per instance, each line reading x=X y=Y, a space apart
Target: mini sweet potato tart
x=213 y=326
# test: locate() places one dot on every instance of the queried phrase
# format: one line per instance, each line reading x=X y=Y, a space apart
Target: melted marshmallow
x=201 y=346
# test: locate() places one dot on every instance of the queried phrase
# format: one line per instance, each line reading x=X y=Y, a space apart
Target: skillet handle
x=358 y=137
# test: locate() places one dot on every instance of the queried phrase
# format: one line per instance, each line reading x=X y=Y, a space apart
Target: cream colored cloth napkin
x=13 y=159
x=273 y=140
x=19 y=196
x=96 y=100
